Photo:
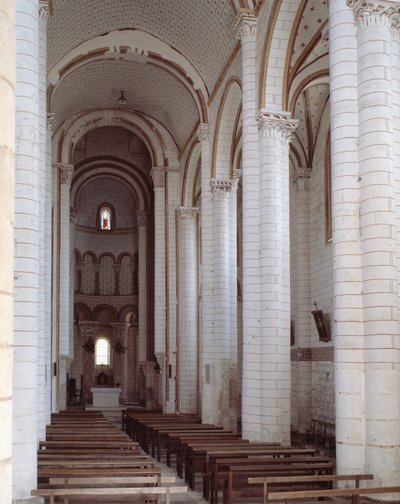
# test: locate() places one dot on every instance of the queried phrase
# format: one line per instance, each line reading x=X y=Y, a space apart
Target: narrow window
x=105 y=218
x=102 y=352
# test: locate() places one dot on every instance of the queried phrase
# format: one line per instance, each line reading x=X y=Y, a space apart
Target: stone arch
x=188 y=179
x=82 y=312
x=104 y=314
x=128 y=313
x=225 y=131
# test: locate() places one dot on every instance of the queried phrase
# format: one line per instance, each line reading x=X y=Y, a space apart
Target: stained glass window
x=105 y=218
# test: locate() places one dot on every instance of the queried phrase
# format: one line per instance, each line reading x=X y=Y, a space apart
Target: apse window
x=105 y=218
x=102 y=352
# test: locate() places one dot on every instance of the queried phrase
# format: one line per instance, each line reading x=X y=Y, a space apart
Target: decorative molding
x=203 y=132
x=158 y=176
x=66 y=172
x=276 y=125
x=187 y=213
x=141 y=216
x=368 y=12
x=245 y=25
x=223 y=187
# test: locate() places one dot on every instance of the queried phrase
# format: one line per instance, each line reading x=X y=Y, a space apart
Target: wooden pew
x=197 y=454
x=217 y=474
x=292 y=483
x=354 y=493
x=128 y=492
x=237 y=484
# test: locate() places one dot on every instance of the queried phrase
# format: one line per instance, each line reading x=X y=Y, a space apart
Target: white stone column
x=65 y=172
x=158 y=175
x=188 y=343
x=207 y=357
x=44 y=405
x=378 y=237
x=120 y=333
x=7 y=189
x=172 y=195
x=275 y=131
x=235 y=392
x=346 y=245
x=224 y=414
x=27 y=255
x=302 y=296
x=251 y=393
x=142 y=267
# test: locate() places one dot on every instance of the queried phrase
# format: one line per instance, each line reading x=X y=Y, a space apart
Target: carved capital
x=203 y=132
x=44 y=10
x=141 y=218
x=187 y=213
x=223 y=187
x=385 y=12
x=245 y=25
x=88 y=328
x=66 y=172
x=158 y=176
x=301 y=177
x=237 y=173
x=50 y=119
x=276 y=125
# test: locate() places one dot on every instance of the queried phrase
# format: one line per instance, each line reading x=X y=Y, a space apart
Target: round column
x=27 y=254
x=275 y=131
x=251 y=392
x=302 y=408
x=347 y=318
x=120 y=333
x=7 y=189
x=158 y=175
x=378 y=238
x=207 y=306
x=187 y=358
x=88 y=332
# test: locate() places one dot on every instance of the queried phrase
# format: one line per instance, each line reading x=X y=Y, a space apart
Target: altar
x=105 y=397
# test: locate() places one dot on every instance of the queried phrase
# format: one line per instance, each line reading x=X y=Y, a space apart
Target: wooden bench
x=237 y=483
x=129 y=492
x=322 y=434
x=281 y=483
x=354 y=493
x=218 y=468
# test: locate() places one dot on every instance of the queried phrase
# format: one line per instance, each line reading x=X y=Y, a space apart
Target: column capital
x=237 y=173
x=222 y=187
x=278 y=125
x=301 y=177
x=187 y=213
x=141 y=216
x=158 y=176
x=50 y=119
x=368 y=12
x=245 y=24
x=203 y=132
x=44 y=10
x=88 y=328
x=66 y=172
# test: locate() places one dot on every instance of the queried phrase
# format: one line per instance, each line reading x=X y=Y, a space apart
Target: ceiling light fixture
x=122 y=100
